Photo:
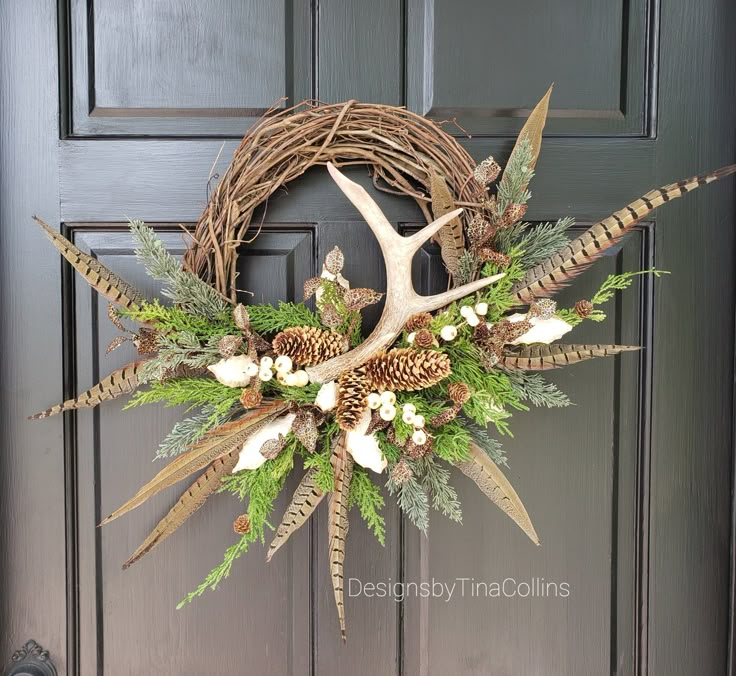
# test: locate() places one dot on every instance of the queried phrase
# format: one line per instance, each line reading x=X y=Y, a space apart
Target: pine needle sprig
x=532 y=387
x=537 y=244
x=435 y=480
x=367 y=496
x=412 y=500
x=189 y=431
x=187 y=291
x=481 y=437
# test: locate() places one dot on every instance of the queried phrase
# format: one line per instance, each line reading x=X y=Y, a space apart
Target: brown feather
x=305 y=500
x=337 y=523
x=491 y=480
x=190 y=501
x=559 y=269
x=545 y=357
x=215 y=444
x=100 y=278
x=122 y=381
x=450 y=236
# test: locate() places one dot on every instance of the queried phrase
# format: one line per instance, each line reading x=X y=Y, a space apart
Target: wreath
x=432 y=386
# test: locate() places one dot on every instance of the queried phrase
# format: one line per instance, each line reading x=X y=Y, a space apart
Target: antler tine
x=402 y=300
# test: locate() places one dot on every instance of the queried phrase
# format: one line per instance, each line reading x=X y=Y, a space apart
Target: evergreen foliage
x=269 y=319
x=532 y=387
x=516 y=176
x=193 y=392
x=367 y=496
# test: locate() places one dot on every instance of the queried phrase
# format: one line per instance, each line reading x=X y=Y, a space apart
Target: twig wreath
x=434 y=384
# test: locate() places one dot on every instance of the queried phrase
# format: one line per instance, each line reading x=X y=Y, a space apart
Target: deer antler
x=402 y=300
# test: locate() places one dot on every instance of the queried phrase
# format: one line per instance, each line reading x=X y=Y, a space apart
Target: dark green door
x=112 y=109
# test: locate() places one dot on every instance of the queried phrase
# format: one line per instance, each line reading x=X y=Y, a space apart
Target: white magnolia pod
x=250 y=455
x=233 y=372
x=326 y=398
x=364 y=447
x=542 y=331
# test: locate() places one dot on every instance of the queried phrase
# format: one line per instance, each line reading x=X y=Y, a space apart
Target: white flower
x=542 y=331
x=364 y=447
x=326 y=398
x=233 y=372
x=250 y=455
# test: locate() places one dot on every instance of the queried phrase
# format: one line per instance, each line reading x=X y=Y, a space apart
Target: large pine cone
x=407 y=369
x=308 y=346
x=352 y=392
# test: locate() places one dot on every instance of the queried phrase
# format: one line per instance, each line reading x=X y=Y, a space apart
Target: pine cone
x=488 y=255
x=583 y=308
x=352 y=391
x=459 y=393
x=401 y=472
x=445 y=416
x=407 y=369
x=418 y=321
x=241 y=525
x=424 y=338
x=251 y=397
x=308 y=346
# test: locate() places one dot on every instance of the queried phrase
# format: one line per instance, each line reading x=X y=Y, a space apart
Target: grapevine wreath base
x=433 y=385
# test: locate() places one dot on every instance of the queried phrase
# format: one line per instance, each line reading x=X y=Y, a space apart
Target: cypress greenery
x=367 y=496
x=193 y=392
x=270 y=319
x=435 y=480
x=412 y=499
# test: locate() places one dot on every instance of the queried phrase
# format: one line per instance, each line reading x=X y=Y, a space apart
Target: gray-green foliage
x=412 y=500
x=435 y=480
x=536 y=244
x=189 y=431
x=183 y=288
x=481 y=437
x=516 y=176
x=532 y=387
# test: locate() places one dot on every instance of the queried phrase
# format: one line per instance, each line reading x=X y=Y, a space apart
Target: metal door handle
x=31 y=660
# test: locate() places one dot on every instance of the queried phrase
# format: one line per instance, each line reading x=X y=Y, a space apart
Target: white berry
x=387 y=412
x=283 y=364
x=419 y=437
x=388 y=398
x=374 y=400
x=410 y=337
x=266 y=363
x=481 y=309
x=408 y=417
x=472 y=319
x=448 y=333
x=290 y=379
x=252 y=369
x=301 y=378
x=418 y=421
x=409 y=407
x=466 y=311
x=281 y=377
x=265 y=375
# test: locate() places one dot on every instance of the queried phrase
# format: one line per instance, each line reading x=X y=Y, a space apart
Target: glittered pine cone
x=308 y=346
x=352 y=392
x=583 y=308
x=418 y=321
x=407 y=369
x=241 y=525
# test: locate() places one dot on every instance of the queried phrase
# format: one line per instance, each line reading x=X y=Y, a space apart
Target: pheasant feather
x=545 y=357
x=337 y=524
x=491 y=480
x=122 y=381
x=559 y=269
x=100 y=278
x=450 y=236
x=217 y=443
x=190 y=501
x=305 y=500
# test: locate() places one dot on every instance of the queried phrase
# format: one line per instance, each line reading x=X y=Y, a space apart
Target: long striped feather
x=545 y=357
x=190 y=501
x=559 y=269
x=305 y=500
x=122 y=381
x=337 y=524
x=215 y=444
x=100 y=278
x=491 y=480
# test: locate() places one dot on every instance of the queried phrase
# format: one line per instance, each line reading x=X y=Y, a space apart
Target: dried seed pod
x=334 y=261
x=418 y=321
x=357 y=299
x=377 y=423
x=424 y=338
x=146 y=340
x=241 y=525
x=330 y=316
x=311 y=286
x=512 y=214
x=228 y=346
x=401 y=472
x=445 y=416
x=543 y=308
x=241 y=317
x=459 y=393
x=115 y=343
x=487 y=171
x=407 y=369
x=479 y=231
x=271 y=448
x=416 y=451
x=304 y=428
x=308 y=346
x=488 y=255
x=114 y=317
x=583 y=308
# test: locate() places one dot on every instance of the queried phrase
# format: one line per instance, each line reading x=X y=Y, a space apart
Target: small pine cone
x=308 y=346
x=401 y=472
x=543 y=308
x=487 y=171
x=352 y=392
x=488 y=255
x=512 y=214
x=241 y=525
x=416 y=451
x=334 y=261
x=229 y=346
x=407 y=369
x=444 y=417
x=583 y=308
x=459 y=393
x=418 y=321
x=479 y=230
x=251 y=397
x=423 y=338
